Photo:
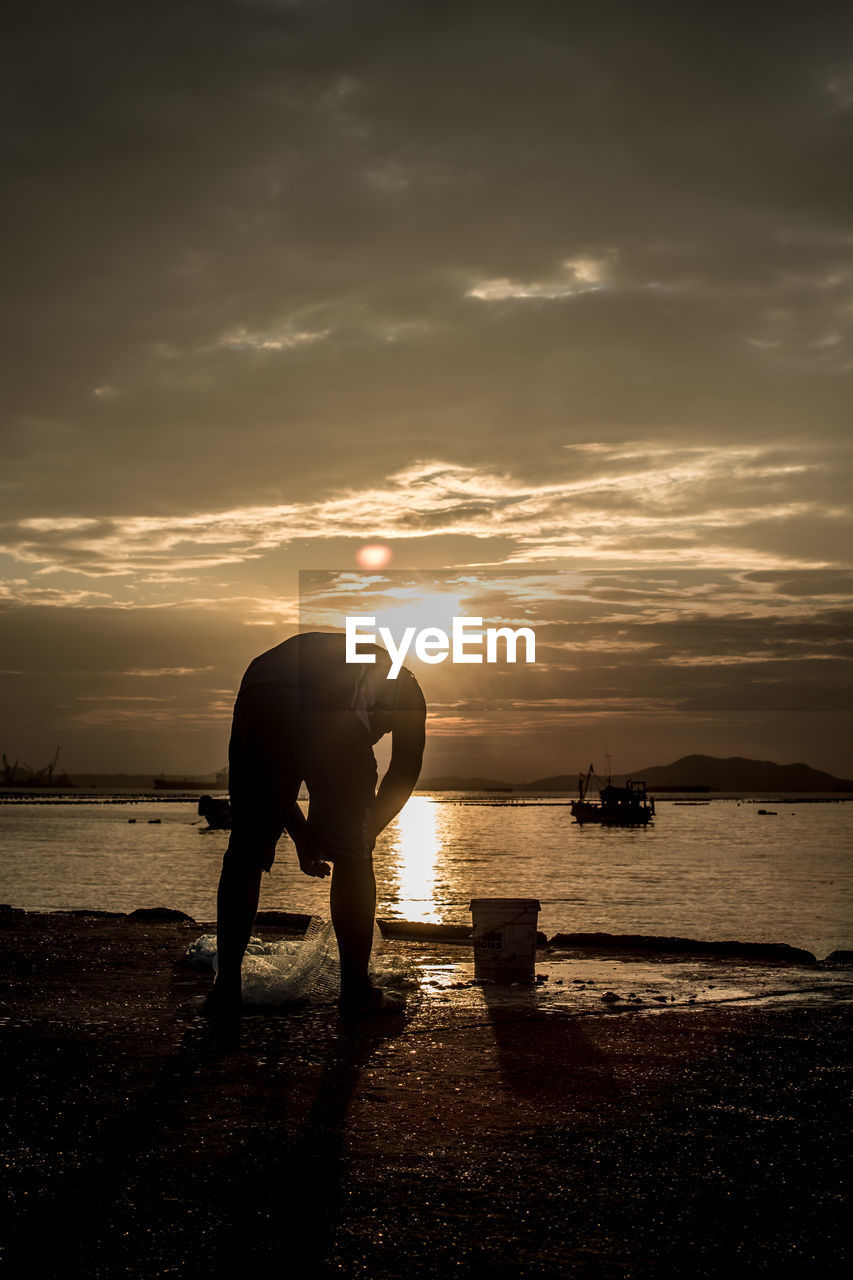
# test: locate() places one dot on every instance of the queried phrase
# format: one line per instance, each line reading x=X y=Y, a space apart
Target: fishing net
x=296 y=971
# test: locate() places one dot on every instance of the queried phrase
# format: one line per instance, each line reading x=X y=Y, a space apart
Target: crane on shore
x=21 y=774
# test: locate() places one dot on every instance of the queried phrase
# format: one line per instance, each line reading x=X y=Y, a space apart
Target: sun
x=412 y=605
x=373 y=555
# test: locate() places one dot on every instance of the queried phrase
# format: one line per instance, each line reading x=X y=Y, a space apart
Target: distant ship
x=627 y=806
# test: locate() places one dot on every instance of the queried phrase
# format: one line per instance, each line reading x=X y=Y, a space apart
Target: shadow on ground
x=488 y=1133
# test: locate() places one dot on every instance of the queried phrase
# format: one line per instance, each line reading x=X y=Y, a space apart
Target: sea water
x=717 y=870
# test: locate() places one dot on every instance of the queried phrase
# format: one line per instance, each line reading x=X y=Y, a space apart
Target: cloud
x=139 y=720
x=240 y=339
x=759 y=656
x=839 y=89
x=498 y=284
x=242 y=260
x=652 y=660
x=156 y=672
x=577 y=276
x=638 y=503
x=19 y=592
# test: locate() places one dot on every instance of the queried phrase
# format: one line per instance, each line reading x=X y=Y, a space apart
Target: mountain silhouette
x=734 y=773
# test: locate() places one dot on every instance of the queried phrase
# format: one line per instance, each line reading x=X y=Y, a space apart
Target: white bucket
x=505 y=938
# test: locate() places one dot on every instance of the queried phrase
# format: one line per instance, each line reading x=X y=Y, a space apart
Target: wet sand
x=700 y=1129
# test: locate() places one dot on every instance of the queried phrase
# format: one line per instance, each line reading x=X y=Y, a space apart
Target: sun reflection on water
x=414 y=848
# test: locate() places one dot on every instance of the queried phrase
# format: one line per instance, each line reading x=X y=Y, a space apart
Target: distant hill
x=739 y=774
x=735 y=773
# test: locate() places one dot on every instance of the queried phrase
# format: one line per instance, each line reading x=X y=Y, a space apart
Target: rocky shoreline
x=295 y=923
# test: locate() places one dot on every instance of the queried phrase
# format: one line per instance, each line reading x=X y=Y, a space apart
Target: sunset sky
x=553 y=300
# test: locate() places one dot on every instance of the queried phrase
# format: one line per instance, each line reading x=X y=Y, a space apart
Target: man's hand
x=297 y=828
x=313 y=866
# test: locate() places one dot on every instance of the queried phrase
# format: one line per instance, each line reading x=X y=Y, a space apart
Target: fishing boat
x=217 y=810
x=627 y=806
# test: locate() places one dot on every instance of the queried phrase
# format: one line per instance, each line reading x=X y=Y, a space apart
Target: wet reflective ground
x=490 y=1131
x=582 y=985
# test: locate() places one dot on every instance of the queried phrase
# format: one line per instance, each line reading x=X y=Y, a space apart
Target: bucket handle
x=516 y=917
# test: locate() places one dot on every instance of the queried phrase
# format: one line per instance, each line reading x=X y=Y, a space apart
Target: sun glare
x=374 y=555
x=413 y=606
x=416 y=845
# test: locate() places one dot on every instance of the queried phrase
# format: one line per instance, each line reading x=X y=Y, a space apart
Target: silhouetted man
x=303 y=714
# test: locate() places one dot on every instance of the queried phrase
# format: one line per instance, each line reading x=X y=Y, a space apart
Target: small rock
x=610 y=996
x=158 y=913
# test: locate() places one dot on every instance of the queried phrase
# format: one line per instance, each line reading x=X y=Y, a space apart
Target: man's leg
x=341 y=778
x=352 y=900
x=236 y=908
x=264 y=783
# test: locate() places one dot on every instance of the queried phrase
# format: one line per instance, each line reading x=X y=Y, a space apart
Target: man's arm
x=408 y=737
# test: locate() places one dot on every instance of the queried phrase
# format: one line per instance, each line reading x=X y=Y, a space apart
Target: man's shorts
x=283 y=736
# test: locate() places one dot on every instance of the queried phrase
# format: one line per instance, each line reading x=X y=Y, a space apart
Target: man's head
x=405 y=718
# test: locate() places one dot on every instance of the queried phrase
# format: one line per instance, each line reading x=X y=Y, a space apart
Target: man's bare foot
x=370 y=1001
x=223 y=1003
